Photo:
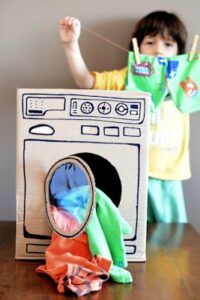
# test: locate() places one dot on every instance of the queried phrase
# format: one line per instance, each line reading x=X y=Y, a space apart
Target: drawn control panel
x=83 y=107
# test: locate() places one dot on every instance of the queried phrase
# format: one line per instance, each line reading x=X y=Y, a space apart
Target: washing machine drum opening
x=69 y=196
x=106 y=176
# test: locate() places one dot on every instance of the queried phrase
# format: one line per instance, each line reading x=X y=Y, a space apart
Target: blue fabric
x=75 y=202
x=67 y=177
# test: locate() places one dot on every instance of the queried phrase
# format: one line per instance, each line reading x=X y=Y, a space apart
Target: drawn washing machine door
x=70 y=196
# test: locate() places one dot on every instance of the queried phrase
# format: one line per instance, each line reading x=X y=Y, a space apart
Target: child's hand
x=69 y=29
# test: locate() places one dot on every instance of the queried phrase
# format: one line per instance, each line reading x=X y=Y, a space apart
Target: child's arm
x=70 y=29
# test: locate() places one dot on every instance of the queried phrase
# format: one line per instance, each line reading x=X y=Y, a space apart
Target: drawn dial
x=104 y=108
x=121 y=109
x=87 y=107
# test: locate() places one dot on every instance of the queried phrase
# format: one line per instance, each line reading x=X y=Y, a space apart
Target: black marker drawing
x=108 y=131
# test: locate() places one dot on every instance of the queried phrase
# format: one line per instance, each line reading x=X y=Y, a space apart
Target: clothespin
x=136 y=50
x=194 y=47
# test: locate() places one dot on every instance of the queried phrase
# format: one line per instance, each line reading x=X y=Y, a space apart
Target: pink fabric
x=64 y=220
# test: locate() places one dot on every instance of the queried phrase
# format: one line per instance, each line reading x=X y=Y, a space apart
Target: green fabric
x=161 y=76
x=185 y=85
x=105 y=236
x=120 y=275
x=149 y=76
x=166 y=201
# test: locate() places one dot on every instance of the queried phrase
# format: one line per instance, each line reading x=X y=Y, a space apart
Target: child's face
x=159 y=46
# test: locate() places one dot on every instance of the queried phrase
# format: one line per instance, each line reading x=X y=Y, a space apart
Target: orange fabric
x=71 y=265
x=60 y=246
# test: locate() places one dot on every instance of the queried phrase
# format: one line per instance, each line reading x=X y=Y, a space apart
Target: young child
x=158 y=34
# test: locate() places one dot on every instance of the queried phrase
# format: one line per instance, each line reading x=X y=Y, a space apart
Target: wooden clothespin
x=194 y=47
x=136 y=50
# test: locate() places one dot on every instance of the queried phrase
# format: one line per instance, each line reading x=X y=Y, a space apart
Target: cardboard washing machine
x=106 y=133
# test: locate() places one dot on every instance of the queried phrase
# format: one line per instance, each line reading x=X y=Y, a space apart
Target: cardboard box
x=108 y=130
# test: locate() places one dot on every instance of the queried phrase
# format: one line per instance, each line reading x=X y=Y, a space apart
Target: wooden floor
x=172 y=269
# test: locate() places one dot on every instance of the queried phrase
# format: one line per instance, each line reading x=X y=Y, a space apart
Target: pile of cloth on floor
x=81 y=264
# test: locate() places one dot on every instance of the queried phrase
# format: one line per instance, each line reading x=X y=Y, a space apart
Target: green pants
x=166 y=201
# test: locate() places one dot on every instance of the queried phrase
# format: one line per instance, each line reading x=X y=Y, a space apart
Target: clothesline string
x=103 y=38
x=194 y=51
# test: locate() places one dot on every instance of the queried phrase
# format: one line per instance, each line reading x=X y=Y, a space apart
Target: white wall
x=31 y=55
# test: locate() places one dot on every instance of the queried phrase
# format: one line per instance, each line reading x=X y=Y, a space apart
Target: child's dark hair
x=161 y=22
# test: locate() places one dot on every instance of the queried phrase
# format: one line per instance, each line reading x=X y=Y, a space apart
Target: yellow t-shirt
x=169 y=132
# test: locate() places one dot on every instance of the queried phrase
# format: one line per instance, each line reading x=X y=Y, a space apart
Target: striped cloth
x=70 y=264
x=83 y=279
